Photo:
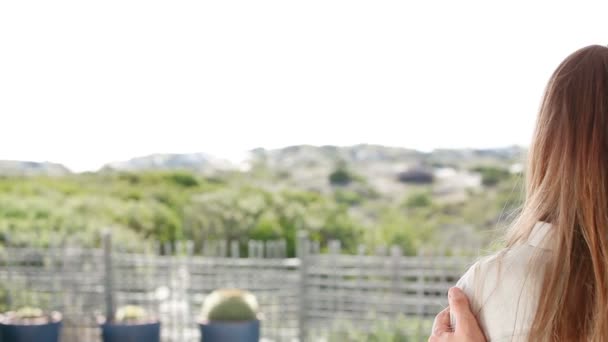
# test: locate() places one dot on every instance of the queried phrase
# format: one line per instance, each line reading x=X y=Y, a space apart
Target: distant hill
x=465 y=157
x=29 y=168
x=303 y=162
x=308 y=155
x=196 y=162
x=309 y=166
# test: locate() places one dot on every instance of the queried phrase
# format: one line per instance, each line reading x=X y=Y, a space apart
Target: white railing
x=301 y=298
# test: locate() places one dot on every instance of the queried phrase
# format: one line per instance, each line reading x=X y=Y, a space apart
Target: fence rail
x=301 y=298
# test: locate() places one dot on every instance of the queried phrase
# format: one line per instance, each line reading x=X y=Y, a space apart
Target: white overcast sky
x=88 y=82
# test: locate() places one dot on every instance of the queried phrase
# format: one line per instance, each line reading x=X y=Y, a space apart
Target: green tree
x=490 y=175
x=340 y=177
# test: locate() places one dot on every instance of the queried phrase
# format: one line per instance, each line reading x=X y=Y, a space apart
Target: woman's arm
x=466 y=330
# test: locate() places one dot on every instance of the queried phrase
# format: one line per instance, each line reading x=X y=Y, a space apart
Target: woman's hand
x=466 y=330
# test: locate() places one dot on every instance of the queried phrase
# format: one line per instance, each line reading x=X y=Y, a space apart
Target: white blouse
x=502 y=290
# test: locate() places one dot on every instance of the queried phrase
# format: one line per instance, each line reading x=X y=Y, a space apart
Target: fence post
x=250 y=249
x=9 y=284
x=335 y=247
x=221 y=250
x=396 y=278
x=108 y=280
x=302 y=250
x=283 y=249
x=234 y=248
x=421 y=283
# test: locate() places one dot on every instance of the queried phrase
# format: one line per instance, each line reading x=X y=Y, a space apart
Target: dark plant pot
x=48 y=332
x=248 y=331
x=145 y=332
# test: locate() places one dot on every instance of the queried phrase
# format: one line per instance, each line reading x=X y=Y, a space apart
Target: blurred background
x=343 y=160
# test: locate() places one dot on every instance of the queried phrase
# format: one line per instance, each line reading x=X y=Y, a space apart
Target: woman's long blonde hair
x=567 y=185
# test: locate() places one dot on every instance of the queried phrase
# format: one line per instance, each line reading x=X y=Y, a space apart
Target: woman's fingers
x=442 y=323
x=465 y=329
x=464 y=320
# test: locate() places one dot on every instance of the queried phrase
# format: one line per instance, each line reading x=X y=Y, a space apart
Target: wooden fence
x=301 y=298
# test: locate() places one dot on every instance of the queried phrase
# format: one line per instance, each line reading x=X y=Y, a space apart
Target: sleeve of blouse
x=467 y=284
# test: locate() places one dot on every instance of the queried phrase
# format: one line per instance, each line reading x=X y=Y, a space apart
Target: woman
x=550 y=283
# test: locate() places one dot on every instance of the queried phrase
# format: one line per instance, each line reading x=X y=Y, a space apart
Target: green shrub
x=340 y=176
x=131 y=178
x=348 y=197
x=419 y=200
x=490 y=175
x=183 y=179
x=399 y=329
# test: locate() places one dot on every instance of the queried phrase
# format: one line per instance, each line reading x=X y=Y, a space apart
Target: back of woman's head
x=567 y=185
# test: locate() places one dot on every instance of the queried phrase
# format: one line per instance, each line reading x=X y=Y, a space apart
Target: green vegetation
x=491 y=175
x=418 y=200
x=399 y=329
x=166 y=207
x=43 y=210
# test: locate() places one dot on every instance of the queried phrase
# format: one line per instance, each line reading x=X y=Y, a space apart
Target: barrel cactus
x=230 y=305
x=27 y=313
x=30 y=315
x=130 y=313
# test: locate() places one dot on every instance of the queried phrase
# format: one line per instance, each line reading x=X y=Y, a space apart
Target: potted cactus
x=30 y=325
x=131 y=323
x=230 y=315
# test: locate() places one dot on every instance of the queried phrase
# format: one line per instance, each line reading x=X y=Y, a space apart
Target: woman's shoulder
x=509 y=263
x=502 y=289
x=514 y=262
